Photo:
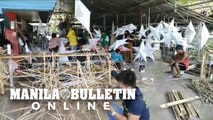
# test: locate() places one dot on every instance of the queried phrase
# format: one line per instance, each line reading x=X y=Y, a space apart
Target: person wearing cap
x=134 y=109
x=180 y=62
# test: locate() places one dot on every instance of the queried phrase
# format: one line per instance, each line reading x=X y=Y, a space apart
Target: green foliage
x=210 y=43
x=186 y=2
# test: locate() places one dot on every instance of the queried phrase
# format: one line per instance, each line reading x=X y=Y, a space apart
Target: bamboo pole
x=50 y=55
x=175 y=107
x=181 y=107
x=202 y=72
x=179 y=102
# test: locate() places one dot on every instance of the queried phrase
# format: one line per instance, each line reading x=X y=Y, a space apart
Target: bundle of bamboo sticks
x=52 y=74
x=182 y=111
x=204 y=89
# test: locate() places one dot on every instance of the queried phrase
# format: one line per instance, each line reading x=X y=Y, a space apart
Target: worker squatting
x=72 y=94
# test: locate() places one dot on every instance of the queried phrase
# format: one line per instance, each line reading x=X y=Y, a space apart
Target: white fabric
x=64 y=40
x=62 y=49
x=82 y=14
x=94 y=41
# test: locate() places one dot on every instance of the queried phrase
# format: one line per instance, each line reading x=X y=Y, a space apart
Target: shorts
x=181 y=66
x=55 y=49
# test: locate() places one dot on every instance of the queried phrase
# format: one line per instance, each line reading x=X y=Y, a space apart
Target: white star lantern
x=97 y=33
x=190 y=32
x=121 y=31
x=154 y=33
x=160 y=28
x=172 y=27
x=145 y=51
x=203 y=36
x=165 y=27
x=142 y=32
x=177 y=37
x=117 y=44
x=82 y=14
x=167 y=39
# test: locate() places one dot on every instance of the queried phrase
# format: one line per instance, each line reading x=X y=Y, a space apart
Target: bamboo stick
x=51 y=55
x=179 y=102
x=175 y=107
x=202 y=72
x=191 y=111
x=181 y=107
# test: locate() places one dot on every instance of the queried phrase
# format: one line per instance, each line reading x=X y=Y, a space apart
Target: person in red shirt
x=54 y=43
x=179 y=62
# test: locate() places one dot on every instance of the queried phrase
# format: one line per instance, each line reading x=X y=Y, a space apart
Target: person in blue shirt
x=117 y=58
x=132 y=109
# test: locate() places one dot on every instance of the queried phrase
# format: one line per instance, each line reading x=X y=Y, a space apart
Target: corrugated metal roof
x=34 y=5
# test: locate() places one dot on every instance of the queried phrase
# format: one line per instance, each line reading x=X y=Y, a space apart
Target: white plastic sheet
x=82 y=14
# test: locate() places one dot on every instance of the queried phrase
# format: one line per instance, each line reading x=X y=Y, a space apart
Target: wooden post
x=9 y=51
x=141 y=17
x=117 y=19
x=146 y=20
x=2 y=88
x=124 y=19
x=203 y=69
x=2 y=78
x=149 y=18
x=104 y=22
x=175 y=9
x=89 y=66
x=109 y=66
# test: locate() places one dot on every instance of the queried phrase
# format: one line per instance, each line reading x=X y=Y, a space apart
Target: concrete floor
x=155 y=94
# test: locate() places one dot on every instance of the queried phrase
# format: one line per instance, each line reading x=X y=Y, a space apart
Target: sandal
x=176 y=76
x=169 y=72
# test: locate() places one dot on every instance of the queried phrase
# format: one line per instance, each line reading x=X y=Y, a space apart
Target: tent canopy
x=30 y=10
